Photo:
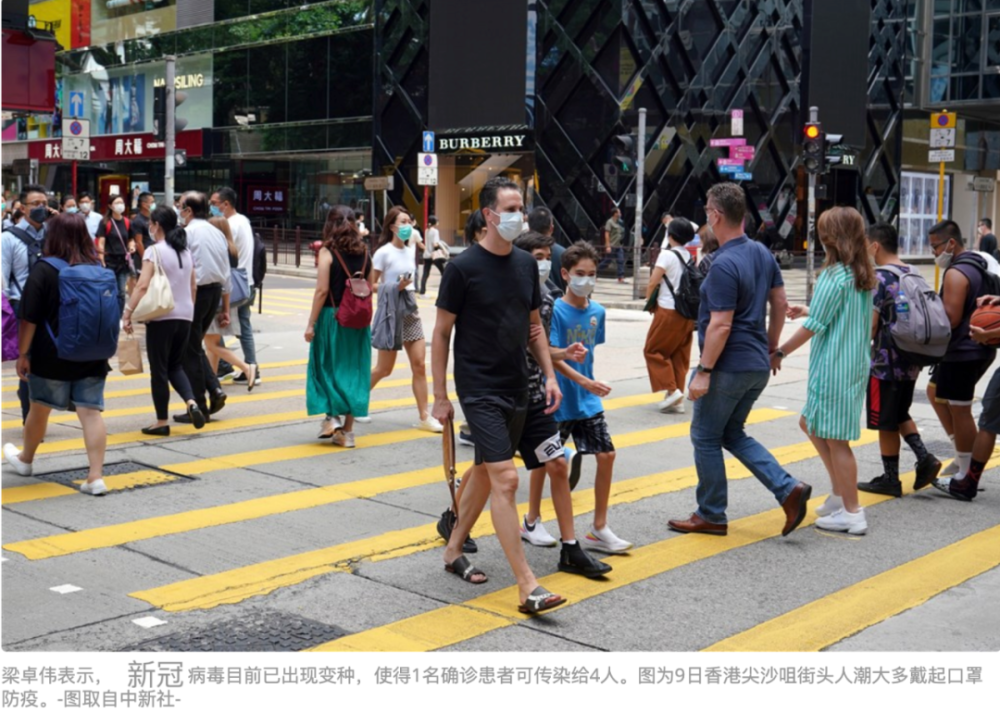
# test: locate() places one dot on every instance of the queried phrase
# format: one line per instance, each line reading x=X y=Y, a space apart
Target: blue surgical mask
x=73 y=209
x=152 y=207
x=216 y=211
x=404 y=232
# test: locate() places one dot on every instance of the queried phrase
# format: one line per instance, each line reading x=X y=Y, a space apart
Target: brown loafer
x=697 y=524
x=795 y=506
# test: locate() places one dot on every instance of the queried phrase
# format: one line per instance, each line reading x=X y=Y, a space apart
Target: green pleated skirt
x=340 y=365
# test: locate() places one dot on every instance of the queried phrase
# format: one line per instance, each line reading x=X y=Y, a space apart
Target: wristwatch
x=779 y=353
x=703 y=370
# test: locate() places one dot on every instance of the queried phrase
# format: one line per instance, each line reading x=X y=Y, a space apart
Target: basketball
x=988 y=318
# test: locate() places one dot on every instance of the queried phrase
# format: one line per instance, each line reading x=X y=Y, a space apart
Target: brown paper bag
x=129 y=357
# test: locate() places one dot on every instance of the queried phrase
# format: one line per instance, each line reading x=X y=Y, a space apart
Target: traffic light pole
x=640 y=174
x=811 y=235
x=171 y=133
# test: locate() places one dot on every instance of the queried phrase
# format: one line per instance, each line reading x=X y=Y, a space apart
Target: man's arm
x=779 y=309
x=440 y=352
x=553 y=396
x=956 y=289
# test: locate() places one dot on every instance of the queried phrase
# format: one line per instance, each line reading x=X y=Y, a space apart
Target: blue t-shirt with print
x=571 y=325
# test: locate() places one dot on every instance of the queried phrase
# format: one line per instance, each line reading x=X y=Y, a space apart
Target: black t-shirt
x=115 y=249
x=140 y=229
x=40 y=305
x=338 y=280
x=493 y=297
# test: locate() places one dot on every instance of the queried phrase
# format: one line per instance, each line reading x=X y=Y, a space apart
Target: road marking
x=113 y=535
x=825 y=621
x=148 y=622
x=65 y=589
x=237 y=585
x=46 y=491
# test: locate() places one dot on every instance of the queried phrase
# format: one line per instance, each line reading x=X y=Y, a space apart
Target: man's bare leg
x=503 y=509
x=476 y=487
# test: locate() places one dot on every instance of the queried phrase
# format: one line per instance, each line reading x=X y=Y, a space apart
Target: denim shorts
x=85 y=393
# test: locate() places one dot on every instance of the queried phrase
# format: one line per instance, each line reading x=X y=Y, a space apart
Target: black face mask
x=39 y=214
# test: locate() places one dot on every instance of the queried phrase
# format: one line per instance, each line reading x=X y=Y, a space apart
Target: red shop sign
x=267 y=200
x=124 y=147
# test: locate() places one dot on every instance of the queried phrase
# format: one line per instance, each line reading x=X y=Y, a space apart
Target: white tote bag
x=159 y=298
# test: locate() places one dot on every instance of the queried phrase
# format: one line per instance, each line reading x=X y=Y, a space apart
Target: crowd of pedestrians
x=518 y=311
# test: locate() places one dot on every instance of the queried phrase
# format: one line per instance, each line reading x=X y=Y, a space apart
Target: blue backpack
x=89 y=318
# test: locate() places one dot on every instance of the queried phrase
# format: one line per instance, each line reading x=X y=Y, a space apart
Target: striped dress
x=840 y=316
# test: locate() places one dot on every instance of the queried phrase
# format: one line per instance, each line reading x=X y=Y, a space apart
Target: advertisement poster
x=121 y=105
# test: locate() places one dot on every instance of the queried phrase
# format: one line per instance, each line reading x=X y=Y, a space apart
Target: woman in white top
x=395 y=263
x=668 y=343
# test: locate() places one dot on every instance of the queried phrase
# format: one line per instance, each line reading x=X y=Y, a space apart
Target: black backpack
x=259 y=260
x=687 y=297
x=34 y=247
x=991 y=282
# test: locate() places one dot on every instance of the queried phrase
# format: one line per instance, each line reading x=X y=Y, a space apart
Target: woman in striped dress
x=839 y=323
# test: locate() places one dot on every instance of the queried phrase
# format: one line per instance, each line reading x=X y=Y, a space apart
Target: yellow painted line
x=277 y=504
x=290 y=301
x=825 y=621
x=263 y=578
x=28 y=493
x=275 y=313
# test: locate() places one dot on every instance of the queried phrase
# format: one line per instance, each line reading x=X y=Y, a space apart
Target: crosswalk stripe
x=231 y=399
x=237 y=585
x=827 y=620
x=109 y=536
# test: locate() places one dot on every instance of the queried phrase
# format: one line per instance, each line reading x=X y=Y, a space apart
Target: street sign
x=742 y=176
x=76 y=140
x=379 y=183
x=730 y=169
x=719 y=143
x=941 y=156
x=985 y=185
x=943 y=120
x=737 y=122
x=427 y=176
x=730 y=162
x=942 y=138
x=427 y=160
x=744 y=153
x=76 y=101
x=428 y=142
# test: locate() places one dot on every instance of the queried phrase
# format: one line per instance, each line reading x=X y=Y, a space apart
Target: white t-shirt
x=393 y=262
x=431 y=242
x=670 y=261
x=242 y=232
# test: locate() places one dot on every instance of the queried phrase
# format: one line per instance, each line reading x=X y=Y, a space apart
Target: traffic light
x=179 y=123
x=160 y=113
x=814 y=148
x=623 y=150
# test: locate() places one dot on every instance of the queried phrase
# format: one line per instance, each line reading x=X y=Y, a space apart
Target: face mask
x=85 y=207
x=544 y=268
x=216 y=211
x=152 y=207
x=943 y=260
x=118 y=208
x=404 y=232
x=74 y=209
x=582 y=286
x=39 y=214
x=510 y=226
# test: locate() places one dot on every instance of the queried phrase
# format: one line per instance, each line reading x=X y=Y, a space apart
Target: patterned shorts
x=413 y=328
x=590 y=435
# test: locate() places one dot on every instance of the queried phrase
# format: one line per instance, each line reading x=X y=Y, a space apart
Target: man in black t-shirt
x=490 y=296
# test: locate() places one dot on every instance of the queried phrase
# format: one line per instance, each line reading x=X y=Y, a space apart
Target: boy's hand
x=553 y=396
x=576 y=352
x=598 y=388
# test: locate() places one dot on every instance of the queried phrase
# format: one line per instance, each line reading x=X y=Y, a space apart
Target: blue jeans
x=246 y=330
x=719 y=420
x=122 y=278
x=619 y=255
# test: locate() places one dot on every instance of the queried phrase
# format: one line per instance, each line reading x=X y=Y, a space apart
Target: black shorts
x=590 y=435
x=496 y=423
x=540 y=441
x=956 y=380
x=889 y=403
x=989 y=419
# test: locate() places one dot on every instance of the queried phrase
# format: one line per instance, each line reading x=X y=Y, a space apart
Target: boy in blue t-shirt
x=575 y=318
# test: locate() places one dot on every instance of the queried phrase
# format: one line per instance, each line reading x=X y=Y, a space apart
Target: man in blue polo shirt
x=736 y=346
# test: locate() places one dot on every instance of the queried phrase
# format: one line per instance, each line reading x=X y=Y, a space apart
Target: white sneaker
x=843 y=521
x=343 y=439
x=671 y=399
x=329 y=426
x=605 y=541
x=430 y=424
x=96 y=488
x=677 y=408
x=363 y=419
x=832 y=504
x=11 y=453
x=950 y=469
x=536 y=534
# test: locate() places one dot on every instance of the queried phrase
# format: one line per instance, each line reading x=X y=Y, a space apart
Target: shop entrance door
x=109 y=186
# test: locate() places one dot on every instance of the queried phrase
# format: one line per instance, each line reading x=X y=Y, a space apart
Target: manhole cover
x=259 y=631
x=144 y=476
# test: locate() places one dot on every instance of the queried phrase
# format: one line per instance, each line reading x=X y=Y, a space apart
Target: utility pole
x=811 y=235
x=640 y=173
x=171 y=137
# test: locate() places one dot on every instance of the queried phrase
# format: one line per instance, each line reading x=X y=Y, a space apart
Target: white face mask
x=582 y=286
x=943 y=260
x=118 y=208
x=544 y=268
x=85 y=208
x=510 y=225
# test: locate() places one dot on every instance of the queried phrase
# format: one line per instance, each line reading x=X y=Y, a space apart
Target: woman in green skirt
x=340 y=358
x=839 y=324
